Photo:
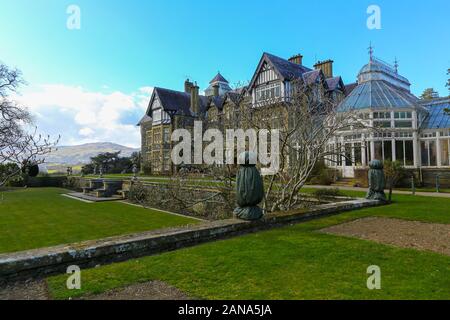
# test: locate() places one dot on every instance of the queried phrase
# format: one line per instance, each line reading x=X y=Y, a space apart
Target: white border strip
x=75 y=198
x=173 y=213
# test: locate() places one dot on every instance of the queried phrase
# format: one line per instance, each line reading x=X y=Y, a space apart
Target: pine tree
x=429 y=94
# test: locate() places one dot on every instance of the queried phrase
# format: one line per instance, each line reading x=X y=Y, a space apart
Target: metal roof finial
x=396 y=65
x=371 y=52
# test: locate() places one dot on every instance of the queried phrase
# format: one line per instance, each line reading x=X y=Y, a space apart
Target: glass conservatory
x=393 y=124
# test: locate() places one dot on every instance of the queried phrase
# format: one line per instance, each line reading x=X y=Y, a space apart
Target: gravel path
x=152 y=290
x=402 y=233
x=30 y=290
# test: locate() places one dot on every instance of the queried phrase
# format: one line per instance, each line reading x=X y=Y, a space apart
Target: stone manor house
x=414 y=132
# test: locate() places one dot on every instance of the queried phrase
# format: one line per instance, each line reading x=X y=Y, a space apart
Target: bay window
x=268 y=92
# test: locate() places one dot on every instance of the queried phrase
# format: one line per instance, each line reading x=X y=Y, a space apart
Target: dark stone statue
x=249 y=188
x=376 y=181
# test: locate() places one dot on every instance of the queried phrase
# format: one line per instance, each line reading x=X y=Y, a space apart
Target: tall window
x=409 y=153
x=166 y=135
x=445 y=152
x=383 y=150
x=357 y=152
x=387 y=150
x=404 y=152
x=378 y=150
x=348 y=154
x=338 y=152
x=428 y=153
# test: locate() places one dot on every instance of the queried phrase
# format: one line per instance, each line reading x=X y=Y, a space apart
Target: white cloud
x=86 y=132
x=82 y=116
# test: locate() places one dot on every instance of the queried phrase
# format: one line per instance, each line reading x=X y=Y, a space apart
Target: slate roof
x=218 y=78
x=172 y=100
x=311 y=77
x=218 y=101
x=145 y=118
x=234 y=96
x=178 y=101
x=437 y=118
x=288 y=70
x=333 y=83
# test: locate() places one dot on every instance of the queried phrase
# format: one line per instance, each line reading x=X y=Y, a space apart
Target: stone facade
x=221 y=106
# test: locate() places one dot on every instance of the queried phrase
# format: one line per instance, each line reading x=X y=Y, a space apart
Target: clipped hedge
x=41 y=182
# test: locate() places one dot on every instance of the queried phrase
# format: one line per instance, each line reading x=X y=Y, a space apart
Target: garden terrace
x=41 y=217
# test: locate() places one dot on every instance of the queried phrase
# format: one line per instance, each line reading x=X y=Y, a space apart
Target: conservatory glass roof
x=380 y=87
x=437 y=117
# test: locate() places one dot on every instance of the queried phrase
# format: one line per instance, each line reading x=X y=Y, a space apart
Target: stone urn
x=249 y=188
x=376 y=181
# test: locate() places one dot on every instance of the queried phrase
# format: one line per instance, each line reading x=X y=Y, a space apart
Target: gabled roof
x=217 y=102
x=288 y=70
x=218 y=78
x=437 y=117
x=335 y=83
x=177 y=101
x=144 y=119
x=234 y=97
x=285 y=69
x=312 y=76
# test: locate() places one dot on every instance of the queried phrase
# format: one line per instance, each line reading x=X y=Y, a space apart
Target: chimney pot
x=326 y=67
x=188 y=86
x=297 y=59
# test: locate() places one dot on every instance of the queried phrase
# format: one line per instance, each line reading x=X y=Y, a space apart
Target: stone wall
x=48 y=261
x=422 y=178
x=429 y=177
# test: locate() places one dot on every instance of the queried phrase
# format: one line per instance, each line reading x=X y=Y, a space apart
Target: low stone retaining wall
x=47 y=261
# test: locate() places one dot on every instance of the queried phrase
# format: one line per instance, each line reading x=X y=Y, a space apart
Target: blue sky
x=126 y=47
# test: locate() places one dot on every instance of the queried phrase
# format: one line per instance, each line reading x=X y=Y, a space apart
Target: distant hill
x=81 y=154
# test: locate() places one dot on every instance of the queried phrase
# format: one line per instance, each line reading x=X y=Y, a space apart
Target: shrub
x=322 y=175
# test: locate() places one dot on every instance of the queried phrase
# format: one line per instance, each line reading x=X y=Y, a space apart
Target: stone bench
x=100 y=193
x=87 y=190
x=123 y=193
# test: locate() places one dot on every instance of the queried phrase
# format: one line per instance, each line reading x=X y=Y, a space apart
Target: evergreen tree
x=429 y=94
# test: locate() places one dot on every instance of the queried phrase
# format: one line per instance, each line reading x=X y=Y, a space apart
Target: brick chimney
x=326 y=67
x=195 y=102
x=216 y=90
x=187 y=86
x=297 y=59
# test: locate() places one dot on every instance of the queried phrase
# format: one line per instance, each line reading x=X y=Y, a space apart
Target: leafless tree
x=307 y=121
x=19 y=141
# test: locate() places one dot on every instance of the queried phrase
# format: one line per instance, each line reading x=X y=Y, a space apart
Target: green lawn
x=34 y=218
x=294 y=262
